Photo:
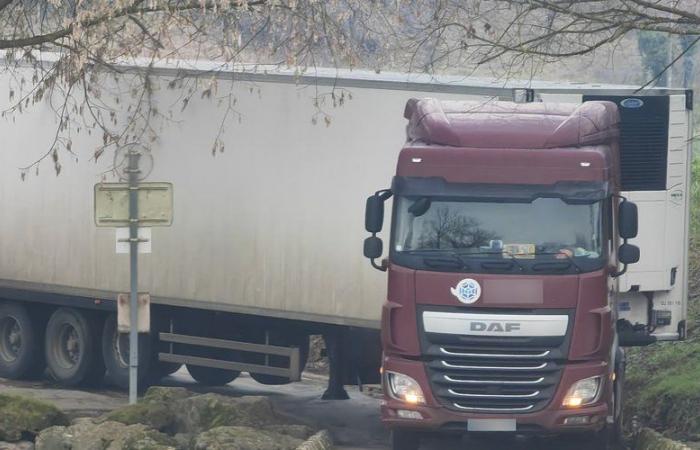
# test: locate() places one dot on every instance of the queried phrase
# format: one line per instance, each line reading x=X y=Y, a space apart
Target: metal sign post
x=130 y=205
x=133 y=171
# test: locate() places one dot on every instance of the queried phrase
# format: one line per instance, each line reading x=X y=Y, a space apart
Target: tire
x=616 y=429
x=21 y=343
x=404 y=440
x=209 y=326
x=73 y=356
x=282 y=340
x=161 y=369
x=209 y=376
x=602 y=440
x=115 y=353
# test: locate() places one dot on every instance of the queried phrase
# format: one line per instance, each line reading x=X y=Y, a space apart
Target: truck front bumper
x=553 y=419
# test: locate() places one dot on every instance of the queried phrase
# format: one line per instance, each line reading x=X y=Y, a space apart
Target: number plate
x=492 y=425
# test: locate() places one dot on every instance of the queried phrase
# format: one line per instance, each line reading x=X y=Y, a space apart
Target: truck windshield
x=567 y=236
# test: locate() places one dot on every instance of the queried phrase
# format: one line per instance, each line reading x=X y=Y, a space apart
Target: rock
x=22 y=416
x=22 y=445
x=298 y=431
x=166 y=394
x=108 y=435
x=204 y=412
x=319 y=441
x=650 y=440
x=245 y=438
x=210 y=421
x=156 y=409
x=184 y=440
x=155 y=414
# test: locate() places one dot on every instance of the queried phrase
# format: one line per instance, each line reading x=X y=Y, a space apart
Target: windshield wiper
x=491 y=265
x=440 y=258
x=569 y=258
x=552 y=265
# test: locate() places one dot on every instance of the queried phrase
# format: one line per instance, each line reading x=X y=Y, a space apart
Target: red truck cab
x=507 y=232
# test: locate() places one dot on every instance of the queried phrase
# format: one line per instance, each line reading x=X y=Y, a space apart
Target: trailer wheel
x=282 y=340
x=115 y=351
x=73 y=355
x=210 y=376
x=21 y=343
x=162 y=369
x=404 y=440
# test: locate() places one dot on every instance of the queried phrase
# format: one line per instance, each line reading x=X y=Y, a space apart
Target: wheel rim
x=68 y=348
x=120 y=349
x=10 y=339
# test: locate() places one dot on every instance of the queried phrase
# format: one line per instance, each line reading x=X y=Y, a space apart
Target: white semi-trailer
x=264 y=247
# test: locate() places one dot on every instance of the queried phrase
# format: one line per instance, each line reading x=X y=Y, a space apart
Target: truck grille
x=494 y=380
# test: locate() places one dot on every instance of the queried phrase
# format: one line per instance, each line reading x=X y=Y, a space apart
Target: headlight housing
x=584 y=392
x=404 y=388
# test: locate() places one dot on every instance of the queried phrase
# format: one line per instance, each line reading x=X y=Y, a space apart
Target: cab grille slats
x=494 y=380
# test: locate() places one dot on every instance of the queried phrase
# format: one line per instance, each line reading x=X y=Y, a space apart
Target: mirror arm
x=384 y=194
x=618 y=273
x=381 y=268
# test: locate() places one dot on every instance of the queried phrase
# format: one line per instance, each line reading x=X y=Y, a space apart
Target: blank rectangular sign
x=155 y=204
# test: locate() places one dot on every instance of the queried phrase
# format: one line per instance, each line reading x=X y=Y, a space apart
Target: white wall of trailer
x=274 y=225
x=663 y=231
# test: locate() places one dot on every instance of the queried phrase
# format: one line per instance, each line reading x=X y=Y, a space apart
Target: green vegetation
x=24 y=417
x=663 y=381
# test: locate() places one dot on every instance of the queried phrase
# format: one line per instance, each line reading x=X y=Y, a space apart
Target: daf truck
x=263 y=250
x=529 y=244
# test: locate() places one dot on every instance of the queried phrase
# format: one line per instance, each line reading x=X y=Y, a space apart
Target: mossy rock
x=204 y=412
x=245 y=438
x=156 y=409
x=650 y=440
x=297 y=431
x=319 y=441
x=26 y=416
x=87 y=435
x=156 y=415
x=164 y=394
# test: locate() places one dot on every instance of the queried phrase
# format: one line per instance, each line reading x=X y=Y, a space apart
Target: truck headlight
x=404 y=388
x=583 y=392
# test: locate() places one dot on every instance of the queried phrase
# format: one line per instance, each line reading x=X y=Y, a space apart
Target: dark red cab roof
x=514 y=143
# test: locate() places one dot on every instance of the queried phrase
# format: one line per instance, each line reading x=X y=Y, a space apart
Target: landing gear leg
x=336 y=389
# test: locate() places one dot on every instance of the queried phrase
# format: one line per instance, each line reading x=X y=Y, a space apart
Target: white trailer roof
x=348 y=78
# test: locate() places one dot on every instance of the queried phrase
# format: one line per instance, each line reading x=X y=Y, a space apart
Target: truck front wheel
x=405 y=440
x=73 y=355
x=21 y=346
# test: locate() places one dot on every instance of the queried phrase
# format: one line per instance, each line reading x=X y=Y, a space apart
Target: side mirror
x=628 y=223
x=373 y=247
x=627 y=220
x=374 y=219
x=628 y=254
x=374 y=214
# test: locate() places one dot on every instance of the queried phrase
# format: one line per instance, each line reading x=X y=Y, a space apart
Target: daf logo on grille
x=467 y=291
x=498 y=327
